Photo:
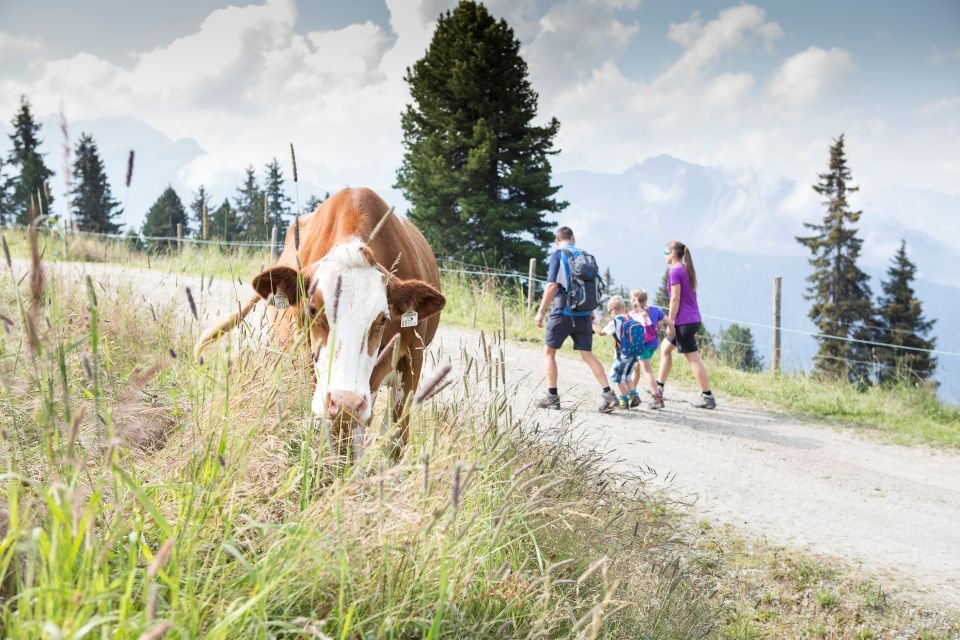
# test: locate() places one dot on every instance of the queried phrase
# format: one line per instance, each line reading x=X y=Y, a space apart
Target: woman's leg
x=699 y=371
x=666 y=360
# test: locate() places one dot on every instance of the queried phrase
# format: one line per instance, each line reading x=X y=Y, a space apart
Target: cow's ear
x=414 y=295
x=279 y=279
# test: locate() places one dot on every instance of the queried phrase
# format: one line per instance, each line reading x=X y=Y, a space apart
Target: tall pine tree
x=6 y=197
x=279 y=204
x=250 y=210
x=901 y=324
x=839 y=290
x=662 y=299
x=475 y=169
x=163 y=217
x=94 y=208
x=29 y=184
x=224 y=223
x=201 y=202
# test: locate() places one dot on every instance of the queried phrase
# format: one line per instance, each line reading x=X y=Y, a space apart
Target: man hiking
x=573 y=291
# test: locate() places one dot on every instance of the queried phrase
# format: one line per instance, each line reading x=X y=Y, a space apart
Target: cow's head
x=348 y=301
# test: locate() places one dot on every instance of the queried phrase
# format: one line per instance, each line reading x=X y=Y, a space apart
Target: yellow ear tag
x=409 y=319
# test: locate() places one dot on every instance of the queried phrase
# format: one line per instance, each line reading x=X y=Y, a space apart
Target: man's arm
x=549 y=293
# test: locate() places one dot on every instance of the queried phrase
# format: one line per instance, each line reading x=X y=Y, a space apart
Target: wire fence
x=454 y=266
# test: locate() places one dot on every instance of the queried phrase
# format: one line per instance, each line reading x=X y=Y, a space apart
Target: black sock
x=552 y=391
x=708 y=393
x=660 y=384
x=606 y=389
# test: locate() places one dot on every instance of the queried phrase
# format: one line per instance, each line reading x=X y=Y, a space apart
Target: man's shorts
x=560 y=327
x=620 y=372
x=685 y=337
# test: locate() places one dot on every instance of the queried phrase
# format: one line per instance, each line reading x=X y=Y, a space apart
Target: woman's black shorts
x=685 y=337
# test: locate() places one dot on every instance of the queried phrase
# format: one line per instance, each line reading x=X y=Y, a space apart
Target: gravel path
x=894 y=509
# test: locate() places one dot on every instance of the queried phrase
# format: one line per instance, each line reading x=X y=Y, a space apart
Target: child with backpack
x=629 y=339
x=650 y=318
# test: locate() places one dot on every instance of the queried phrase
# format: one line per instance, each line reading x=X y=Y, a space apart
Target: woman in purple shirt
x=683 y=322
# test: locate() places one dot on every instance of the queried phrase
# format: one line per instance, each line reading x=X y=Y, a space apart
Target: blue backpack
x=585 y=287
x=631 y=337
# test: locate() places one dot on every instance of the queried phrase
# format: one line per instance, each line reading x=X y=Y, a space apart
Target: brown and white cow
x=358 y=271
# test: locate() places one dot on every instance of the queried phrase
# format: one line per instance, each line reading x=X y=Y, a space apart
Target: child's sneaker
x=549 y=401
x=657 y=402
x=624 y=404
x=634 y=400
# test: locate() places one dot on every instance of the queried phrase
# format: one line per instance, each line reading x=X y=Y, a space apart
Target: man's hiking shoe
x=634 y=401
x=657 y=402
x=608 y=402
x=705 y=402
x=549 y=401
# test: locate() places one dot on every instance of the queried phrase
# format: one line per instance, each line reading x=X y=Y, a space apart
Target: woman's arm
x=674 y=303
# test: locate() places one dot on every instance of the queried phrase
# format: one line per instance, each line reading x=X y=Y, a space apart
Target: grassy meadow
x=145 y=496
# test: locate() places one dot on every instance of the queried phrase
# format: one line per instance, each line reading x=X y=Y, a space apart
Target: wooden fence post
x=531 y=287
x=776 y=324
x=273 y=243
x=179 y=236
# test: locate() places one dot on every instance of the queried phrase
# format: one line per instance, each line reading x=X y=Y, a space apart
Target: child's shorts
x=622 y=367
x=647 y=352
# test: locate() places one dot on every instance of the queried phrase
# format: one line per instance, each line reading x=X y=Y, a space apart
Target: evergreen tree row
x=862 y=342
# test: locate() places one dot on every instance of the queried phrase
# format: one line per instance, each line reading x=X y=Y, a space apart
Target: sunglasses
x=667 y=252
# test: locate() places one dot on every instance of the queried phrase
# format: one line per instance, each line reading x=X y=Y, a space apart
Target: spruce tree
x=6 y=197
x=163 y=217
x=250 y=210
x=901 y=324
x=662 y=299
x=224 y=224
x=279 y=204
x=475 y=169
x=29 y=184
x=201 y=201
x=735 y=346
x=313 y=202
x=839 y=290
x=94 y=208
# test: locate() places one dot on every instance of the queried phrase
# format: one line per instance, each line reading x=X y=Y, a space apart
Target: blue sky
x=761 y=86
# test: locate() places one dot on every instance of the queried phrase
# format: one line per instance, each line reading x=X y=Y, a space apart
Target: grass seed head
x=129 y=168
x=193 y=305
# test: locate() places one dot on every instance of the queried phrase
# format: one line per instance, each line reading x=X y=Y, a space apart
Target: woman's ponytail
x=691 y=272
x=682 y=253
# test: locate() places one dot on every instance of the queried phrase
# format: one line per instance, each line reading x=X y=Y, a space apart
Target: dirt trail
x=894 y=509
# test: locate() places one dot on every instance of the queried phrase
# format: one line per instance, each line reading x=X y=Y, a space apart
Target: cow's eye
x=313 y=311
x=383 y=321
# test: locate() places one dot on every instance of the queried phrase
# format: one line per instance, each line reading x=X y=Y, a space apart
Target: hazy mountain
x=740 y=226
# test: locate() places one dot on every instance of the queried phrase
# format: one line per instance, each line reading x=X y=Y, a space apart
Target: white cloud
x=805 y=75
x=11 y=45
x=705 y=44
x=728 y=90
x=944 y=104
x=574 y=39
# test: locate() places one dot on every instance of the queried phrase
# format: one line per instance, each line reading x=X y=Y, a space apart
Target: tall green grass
x=145 y=495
